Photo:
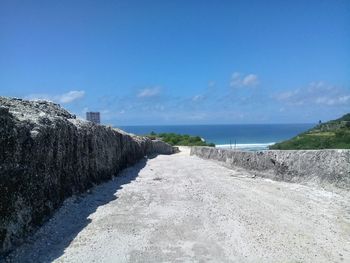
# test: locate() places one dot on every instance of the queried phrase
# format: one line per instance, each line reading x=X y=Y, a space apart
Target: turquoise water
x=246 y=136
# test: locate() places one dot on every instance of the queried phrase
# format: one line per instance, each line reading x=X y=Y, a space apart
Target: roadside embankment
x=323 y=167
x=46 y=155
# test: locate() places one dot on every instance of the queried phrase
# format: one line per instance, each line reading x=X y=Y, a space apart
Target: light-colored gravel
x=179 y=208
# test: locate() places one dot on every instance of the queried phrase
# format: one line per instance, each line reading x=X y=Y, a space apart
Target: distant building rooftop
x=93 y=117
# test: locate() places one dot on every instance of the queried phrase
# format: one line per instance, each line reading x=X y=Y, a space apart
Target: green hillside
x=180 y=139
x=333 y=134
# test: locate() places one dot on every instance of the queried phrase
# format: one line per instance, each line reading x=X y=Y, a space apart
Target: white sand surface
x=179 y=208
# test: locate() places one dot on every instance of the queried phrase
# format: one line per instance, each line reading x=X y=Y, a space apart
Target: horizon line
x=212 y=124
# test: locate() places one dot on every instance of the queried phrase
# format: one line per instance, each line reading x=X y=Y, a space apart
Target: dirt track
x=180 y=208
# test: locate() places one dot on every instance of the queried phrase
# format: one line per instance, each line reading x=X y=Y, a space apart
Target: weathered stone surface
x=46 y=155
x=318 y=166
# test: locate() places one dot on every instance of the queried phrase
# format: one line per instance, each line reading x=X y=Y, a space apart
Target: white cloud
x=105 y=111
x=344 y=99
x=241 y=80
x=64 y=98
x=333 y=100
x=250 y=80
x=70 y=96
x=197 y=98
x=317 y=93
x=286 y=95
x=149 y=92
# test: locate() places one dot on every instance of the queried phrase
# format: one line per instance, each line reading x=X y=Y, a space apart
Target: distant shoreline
x=242 y=134
x=222 y=124
x=246 y=146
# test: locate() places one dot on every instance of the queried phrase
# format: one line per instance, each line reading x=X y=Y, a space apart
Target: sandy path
x=181 y=208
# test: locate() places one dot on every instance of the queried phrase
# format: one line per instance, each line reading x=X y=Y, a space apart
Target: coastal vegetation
x=180 y=139
x=334 y=134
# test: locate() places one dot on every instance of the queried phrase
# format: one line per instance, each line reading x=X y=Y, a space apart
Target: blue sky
x=180 y=62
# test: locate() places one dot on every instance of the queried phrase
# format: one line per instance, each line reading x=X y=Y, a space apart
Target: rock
x=324 y=167
x=46 y=155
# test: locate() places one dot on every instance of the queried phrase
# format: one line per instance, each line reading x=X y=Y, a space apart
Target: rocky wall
x=315 y=166
x=47 y=154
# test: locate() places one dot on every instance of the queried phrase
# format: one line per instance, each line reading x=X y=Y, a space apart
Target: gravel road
x=179 y=208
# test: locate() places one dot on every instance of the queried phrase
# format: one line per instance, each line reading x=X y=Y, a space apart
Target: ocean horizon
x=235 y=136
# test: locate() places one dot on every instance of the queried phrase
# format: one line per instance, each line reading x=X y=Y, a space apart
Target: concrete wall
x=318 y=166
x=46 y=155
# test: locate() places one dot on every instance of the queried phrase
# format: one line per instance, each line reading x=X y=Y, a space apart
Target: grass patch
x=334 y=134
x=329 y=134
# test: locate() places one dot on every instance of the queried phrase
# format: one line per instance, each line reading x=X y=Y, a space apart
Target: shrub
x=180 y=139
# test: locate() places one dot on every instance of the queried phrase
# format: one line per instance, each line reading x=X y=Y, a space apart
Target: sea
x=251 y=137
